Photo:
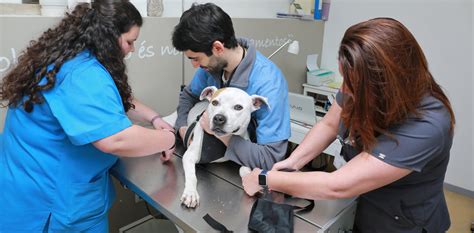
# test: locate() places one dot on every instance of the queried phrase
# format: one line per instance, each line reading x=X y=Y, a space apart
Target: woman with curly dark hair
x=68 y=98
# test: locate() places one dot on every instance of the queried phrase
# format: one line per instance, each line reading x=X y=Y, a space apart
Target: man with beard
x=206 y=36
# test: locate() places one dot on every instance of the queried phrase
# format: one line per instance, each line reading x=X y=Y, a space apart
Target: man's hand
x=182 y=131
x=204 y=122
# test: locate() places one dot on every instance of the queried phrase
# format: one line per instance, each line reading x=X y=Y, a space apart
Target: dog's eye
x=238 y=107
x=215 y=102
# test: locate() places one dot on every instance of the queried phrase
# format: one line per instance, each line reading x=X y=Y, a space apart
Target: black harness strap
x=301 y=209
x=215 y=224
x=305 y=209
x=188 y=135
x=190 y=131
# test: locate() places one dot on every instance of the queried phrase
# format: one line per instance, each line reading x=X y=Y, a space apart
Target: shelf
x=12 y=9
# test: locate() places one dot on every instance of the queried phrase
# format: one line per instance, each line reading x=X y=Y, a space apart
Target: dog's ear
x=258 y=101
x=207 y=93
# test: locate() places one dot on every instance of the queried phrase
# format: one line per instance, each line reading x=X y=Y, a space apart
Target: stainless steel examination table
x=221 y=196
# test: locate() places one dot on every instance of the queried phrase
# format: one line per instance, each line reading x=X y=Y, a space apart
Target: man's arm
x=255 y=155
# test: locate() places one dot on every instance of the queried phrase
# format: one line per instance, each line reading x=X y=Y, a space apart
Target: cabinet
x=323 y=97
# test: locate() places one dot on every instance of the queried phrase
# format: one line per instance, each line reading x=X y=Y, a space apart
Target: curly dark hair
x=95 y=27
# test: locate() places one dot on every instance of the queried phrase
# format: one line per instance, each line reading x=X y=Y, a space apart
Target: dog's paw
x=244 y=171
x=190 y=198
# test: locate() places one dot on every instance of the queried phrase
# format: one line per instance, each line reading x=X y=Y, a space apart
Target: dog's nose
x=219 y=119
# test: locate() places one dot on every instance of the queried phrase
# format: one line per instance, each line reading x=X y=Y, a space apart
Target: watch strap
x=262 y=178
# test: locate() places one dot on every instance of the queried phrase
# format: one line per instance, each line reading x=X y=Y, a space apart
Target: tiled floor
x=461 y=210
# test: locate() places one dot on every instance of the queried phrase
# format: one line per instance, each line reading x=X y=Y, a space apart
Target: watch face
x=262 y=179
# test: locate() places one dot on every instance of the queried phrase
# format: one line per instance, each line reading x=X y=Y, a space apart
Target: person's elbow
x=339 y=190
x=331 y=188
x=335 y=193
x=109 y=145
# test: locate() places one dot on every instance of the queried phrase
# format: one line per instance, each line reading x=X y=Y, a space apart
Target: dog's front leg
x=243 y=171
x=190 y=197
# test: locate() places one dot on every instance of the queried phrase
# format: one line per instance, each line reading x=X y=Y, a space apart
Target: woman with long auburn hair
x=396 y=128
x=69 y=104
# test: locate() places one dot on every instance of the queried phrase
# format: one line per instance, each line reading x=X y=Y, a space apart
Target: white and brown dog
x=229 y=112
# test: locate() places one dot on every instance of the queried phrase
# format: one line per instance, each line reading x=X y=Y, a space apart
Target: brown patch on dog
x=217 y=92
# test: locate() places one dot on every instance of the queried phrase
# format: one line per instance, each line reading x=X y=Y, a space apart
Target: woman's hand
x=286 y=165
x=159 y=123
x=250 y=182
x=167 y=155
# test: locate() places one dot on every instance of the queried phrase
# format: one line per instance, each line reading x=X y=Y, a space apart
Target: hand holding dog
x=166 y=155
x=182 y=131
x=288 y=164
x=159 y=123
x=204 y=122
x=250 y=182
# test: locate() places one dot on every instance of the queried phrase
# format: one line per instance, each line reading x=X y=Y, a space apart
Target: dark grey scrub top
x=416 y=202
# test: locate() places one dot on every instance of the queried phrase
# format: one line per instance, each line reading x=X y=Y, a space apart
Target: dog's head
x=230 y=108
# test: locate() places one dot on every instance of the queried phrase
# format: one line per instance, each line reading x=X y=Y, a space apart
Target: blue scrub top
x=49 y=168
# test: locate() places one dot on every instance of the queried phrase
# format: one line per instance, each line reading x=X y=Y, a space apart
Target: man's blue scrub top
x=49 y=166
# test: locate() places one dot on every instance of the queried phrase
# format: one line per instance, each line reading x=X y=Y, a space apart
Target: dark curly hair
x=96 y=27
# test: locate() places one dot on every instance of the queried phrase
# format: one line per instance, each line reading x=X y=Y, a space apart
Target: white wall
x=235 y=8
x=10 y=1
x=444 y=29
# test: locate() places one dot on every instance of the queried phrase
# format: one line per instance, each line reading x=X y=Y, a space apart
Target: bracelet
x=174 y=134
x=174 y=145
x=154 y=118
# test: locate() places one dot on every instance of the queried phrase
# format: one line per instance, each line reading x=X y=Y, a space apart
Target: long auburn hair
x=386 y=75
x=95 y=27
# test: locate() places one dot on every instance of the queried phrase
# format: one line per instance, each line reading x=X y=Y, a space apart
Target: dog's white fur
x=233 y=105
